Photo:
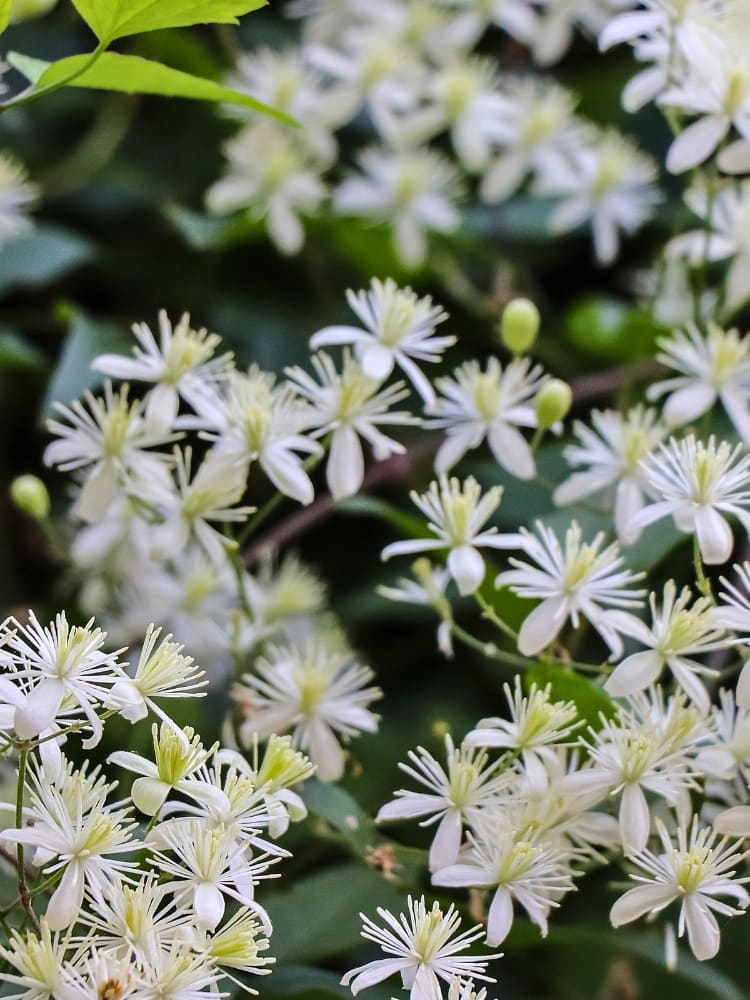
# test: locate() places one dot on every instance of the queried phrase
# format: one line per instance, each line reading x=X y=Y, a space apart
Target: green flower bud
x=552 y=402
x=24 y=10
x=30 y=495
x=519 y=325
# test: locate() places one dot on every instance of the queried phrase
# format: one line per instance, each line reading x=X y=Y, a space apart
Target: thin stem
x=493 y=652
x=702 y=581
x=33 y=92
x=490 y=614
x=23 y=890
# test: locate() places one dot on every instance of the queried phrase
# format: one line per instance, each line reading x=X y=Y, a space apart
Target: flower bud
x=552 y=402
x=30 y=495
x=24 y=10
x=519 y=325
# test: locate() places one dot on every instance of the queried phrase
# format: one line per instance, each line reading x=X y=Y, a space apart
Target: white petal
x=39 y=708
x=742 y=694
x=346 y=464
x=688 y=404
x=325 y=751
x=467 y=568
x=541 y=626
x=703 y=930
x=67 y=899
x=447 y=841
x=376 y=361
x=635 y=820
x=500 y=916
x=511 y=450
x=734 y=822
x=208 y=904
x=634 y=674
x=714 y=536
x=636 y=902
x=696 y=143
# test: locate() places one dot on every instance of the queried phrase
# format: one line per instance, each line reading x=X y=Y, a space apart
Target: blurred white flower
x=413 y=190
x=17 y=197
x=613 y=448
x=713 y=367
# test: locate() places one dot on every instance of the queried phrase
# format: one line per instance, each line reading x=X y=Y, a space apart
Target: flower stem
x=23 y=889
x=490 y=614
x=702 y=581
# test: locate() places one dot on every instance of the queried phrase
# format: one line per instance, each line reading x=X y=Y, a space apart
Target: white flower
x=350 y=405
x=678 y=632
x=646 y=747
x=457 y=513
x=606 y=181
x=252 y=418
x=397 y=327
x=555 y=31
x=181 y=364
x=455 y=796
x=272 y=176
x=613 y=449
x=694 y=873
x=427 y=589
x=37 y=962
x=516 y=17
x=161 y=672
x=536 y=122
x=188 y=506
x=478 y=405
x=17 y=197
x=734 y=613
x=110 y=437
x=424 y=950
x=725 y=233
x=517 y=865
x=699 y=484
x=414 y=190
x=318 y=691
x=69 y=670
x=573 y=581
x=76 y=832
x=537 y=725
x=713 y=367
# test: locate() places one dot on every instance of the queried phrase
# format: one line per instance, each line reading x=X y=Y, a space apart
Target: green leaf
x=590 y=698
x=5 y=9
x=319 y=915
x=30 y=67
x=17 y=354
x=337 y=807
x=134 y=75
x=111 y=19
x=41 y=256
x=86 y=339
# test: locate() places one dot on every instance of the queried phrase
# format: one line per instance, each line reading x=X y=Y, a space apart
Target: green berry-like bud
x=30 y=495
x=552 y=402
x=519 y=325
x=440 y=729
x=24 y=10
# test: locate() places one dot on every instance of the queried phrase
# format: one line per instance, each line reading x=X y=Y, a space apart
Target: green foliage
x=5 y=10
x=17 y=354
x=112 y=19
x=41 y=256
x=334 y=805
x=132 y=75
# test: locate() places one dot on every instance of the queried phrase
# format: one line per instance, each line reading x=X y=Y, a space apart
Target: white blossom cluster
x=114 y=908
x=407 y=76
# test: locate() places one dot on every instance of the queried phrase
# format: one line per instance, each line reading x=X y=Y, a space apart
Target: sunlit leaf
x=111 y=19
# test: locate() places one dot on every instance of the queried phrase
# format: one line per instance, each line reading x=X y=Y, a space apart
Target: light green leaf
x=111 y=19
x=41 y=256
x=17 y=354
x=31 y=68
x=134 y=75
x=337 y=807
x=5 y=9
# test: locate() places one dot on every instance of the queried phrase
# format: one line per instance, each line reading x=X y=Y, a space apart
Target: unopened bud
x=24 y=10
x=519 y=325
x=440 y=729
x=552 y=402
x=30 y=495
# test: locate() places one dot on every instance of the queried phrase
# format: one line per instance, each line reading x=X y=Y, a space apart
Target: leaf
x=5 y=9
x=86 y=339
x=206 y=232
x=366 y=506
x=17 y=354
x=111 y=19
x=319 y=915
x=590 y=699
x=134 y=75
x=41 y=256
x=337 y=807
x=30 y=67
